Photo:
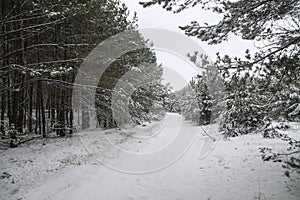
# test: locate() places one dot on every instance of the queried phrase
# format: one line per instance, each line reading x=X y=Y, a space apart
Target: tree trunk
x=21 y=61
x=42 y=108
x=30 y=108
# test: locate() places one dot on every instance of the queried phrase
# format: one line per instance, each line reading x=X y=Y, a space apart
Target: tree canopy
x=275 y=24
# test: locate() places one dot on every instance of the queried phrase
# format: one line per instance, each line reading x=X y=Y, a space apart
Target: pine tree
x=42 y=46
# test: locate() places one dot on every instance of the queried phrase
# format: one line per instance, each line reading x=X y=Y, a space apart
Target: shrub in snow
x=290 y=158
x=243 y=114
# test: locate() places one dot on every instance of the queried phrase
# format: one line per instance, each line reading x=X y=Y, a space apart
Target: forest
x=232 y=132
x=44 y=42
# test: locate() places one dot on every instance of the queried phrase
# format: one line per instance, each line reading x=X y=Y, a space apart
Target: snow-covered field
x=69 y=168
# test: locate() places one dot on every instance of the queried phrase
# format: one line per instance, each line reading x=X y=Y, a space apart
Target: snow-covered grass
x=68 y=168
x=33 y=162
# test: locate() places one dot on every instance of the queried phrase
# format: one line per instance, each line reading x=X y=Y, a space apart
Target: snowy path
x=233 y=171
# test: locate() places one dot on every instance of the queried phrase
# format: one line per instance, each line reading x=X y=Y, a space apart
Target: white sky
x=156 y=17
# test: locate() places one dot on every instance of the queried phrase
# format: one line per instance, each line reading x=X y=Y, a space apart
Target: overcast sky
x=156 y=17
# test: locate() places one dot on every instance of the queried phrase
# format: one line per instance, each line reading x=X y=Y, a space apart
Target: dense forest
x=44 y=42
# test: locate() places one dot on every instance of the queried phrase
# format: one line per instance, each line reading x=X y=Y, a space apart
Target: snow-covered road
x=233 y=170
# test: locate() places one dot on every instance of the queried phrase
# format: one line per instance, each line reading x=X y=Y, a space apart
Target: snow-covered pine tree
x=203 y=99
x=145 y=81
x=245 y=111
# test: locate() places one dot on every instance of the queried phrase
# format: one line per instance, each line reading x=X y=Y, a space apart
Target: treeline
x=43 y=43
x=260 y=86
x=241 y=101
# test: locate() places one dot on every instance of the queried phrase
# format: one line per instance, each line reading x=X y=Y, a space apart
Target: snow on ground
x=32 y=163
x=68 y=168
